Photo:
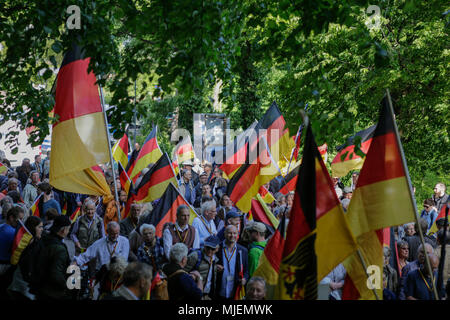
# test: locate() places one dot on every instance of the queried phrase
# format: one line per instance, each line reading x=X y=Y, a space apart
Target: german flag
x=184 y=150
x=290 y=181
x=390 y=242
x=149 y=153
x=277 y=136
x=74 y=216
x=251 y=176
x=175 y=167
x=21 y=240
x=318 y=238
x=441 y=214
x=260 y=212
x=79 y=139
x=266 y=195
x=155 y=182
x=382 y=188
x=64 y=209
x=120 y=151
x=166 y=209
x=240 y=290
x=125 y=180
x=37 y=207
x=235 y=153
x=346 y=159
x=269 y=263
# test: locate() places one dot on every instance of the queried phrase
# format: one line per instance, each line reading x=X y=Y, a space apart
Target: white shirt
x=167 y=239
x=103 y=250
x=202 y=225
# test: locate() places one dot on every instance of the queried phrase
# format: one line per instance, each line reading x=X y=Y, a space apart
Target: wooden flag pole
x=116 y=195
x=405 y=167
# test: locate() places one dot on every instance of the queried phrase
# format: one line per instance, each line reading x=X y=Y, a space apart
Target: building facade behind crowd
x=210 y=259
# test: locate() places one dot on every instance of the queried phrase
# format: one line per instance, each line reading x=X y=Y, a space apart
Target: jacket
x=182 y=189
x=240 y=251
x=203 y=268
x=52 y=267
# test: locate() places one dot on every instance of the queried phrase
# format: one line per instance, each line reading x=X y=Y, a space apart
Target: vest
x=189 y=241
x=88 y=236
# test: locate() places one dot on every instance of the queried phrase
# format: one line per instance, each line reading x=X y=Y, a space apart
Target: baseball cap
x=348 y=190
x=212 y=242
x=233 y=213
x=258 y=226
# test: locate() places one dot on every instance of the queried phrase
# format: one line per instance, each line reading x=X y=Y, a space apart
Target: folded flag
x=120 y=151
x=37 y=207
x=21 y=240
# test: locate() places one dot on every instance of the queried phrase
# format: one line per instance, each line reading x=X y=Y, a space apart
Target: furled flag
x=79 y=139
x=184 y=150
x=347 y=159
x=441 y=214
x=155 y=182
x=166 y=209
x=149 y=153
x=259 y=169
x=240 y=290
x=37 y=207
x=120 y=151
x=21 y=240
x=266 y=195
x=74 y=216
x=290 y=180
x=125 y=180
x=382 y=189
x=318 y=237
x=269 y=263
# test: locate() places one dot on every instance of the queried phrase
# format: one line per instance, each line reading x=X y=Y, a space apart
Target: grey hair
x=178 y=252
x=136 y=271
x=111 y=225
x=181 y=207
x=33 y=172
x=207 y=205
x=118 y=266
x=88 y=201
x=406 y=225
x=257 y=279
x=147 y=226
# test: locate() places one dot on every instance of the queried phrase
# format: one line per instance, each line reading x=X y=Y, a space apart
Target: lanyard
x=231 y=257
x=151 y=256
x=114 y=249
x=206 y=226
x=426 y=282
x=179 y=235
x=117 y=282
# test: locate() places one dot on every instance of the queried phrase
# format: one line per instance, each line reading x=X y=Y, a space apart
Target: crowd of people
x=210 y=259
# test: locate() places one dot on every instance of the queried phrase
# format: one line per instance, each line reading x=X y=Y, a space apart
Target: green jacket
x=52 y=269
x=255 y=250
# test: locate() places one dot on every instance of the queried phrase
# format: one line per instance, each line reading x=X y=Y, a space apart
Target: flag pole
x=413 y=202
x=364 y=265
x=299 y=133
x=116 y=195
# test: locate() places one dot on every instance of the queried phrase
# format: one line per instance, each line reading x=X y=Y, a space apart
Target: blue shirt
x=103 y=250
x=229 y=266
x=202 y=226
x=52 y=203
x=416 y=287
x=7 y=234
x=430 y=217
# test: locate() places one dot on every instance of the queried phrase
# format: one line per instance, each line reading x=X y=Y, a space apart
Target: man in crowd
x=199 y=191
x=53 y=261
x=187 y=186
x=30 y=192
x=181 y=231
x=414 y=242
x=233 y=257
x=233 y=217
x=48 y=201
x=37 y=165
x=128 y=224
x=105 y=248
x=414 y=265
x=256 y=247
x=440 y=198
x=137 y=280
x=205 y=262
x=256 y=289
x=205 y=222
x=188 y=165
x=182 y=286
x=419 y=283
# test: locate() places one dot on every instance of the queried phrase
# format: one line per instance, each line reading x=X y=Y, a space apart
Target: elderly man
x=30 y=192
x=13 y=185
x=414 y=265
x=105 y=248
x=439 y=197
x=181 y=231
x=137 y=280
x=233 y=257
x=182 y=286
x=128 y=224
x=205 y=262
x=187 y=186
x=256 y=247
x=256 y=289
x=151 y=251
x=205 y=222
x=203 y=180
x=419 y=283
